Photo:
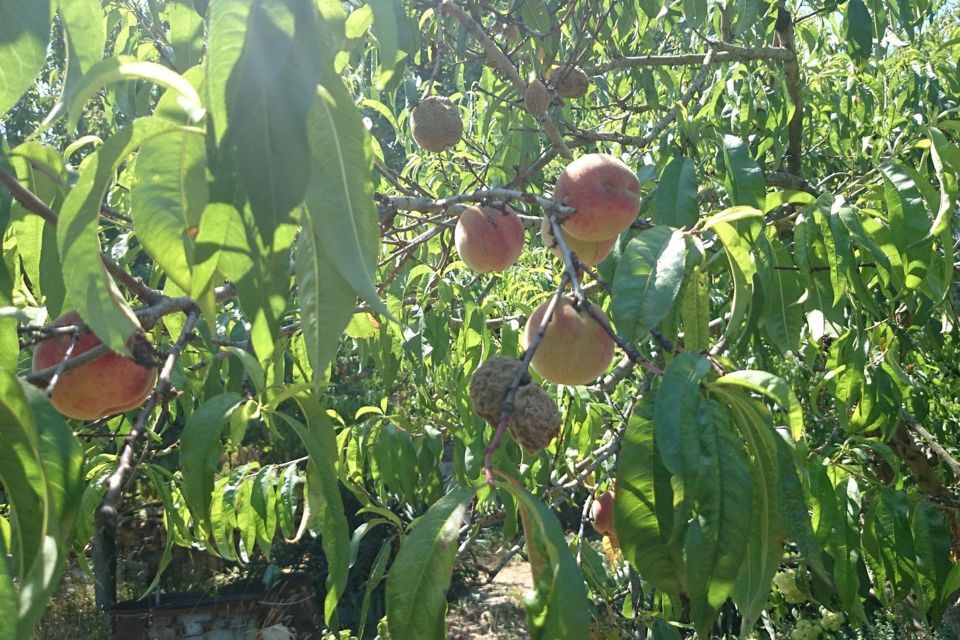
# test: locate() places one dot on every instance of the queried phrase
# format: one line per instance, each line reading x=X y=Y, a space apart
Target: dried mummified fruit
x=570 y=81
x=535 y=419
x=436 y=123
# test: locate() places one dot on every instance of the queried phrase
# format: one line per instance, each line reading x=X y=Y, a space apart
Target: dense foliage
x=229 y=191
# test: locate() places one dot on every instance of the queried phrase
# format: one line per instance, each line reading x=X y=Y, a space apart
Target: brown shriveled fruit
x=536 y=98
x=489 y=239
x=535 y=420
x=436 y=123
x=107 y=385
x=605 y=193
x=489 y=384
x=590 y=253
x=575 y=349
x=570 y=81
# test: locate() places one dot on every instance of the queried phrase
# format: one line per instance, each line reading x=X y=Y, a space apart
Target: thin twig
x=729 y=54
x=503 y=64
x=665 y=121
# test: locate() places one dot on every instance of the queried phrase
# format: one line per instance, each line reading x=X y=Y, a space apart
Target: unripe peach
x=489 y=238
x=605 y=193
x=602 y=513
x=590 y=253
x=575 y=349
x=106 y=385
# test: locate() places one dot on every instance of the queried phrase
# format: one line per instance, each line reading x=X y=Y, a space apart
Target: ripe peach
x=605 y=193
x=574 y=350
x=590 y=253
x=602 y=514
x=107 y=385
x=489 y=238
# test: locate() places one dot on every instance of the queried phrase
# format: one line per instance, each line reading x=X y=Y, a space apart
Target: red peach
x=489 y=238
x=575 y=349
x=605 y=193
x=106 y=385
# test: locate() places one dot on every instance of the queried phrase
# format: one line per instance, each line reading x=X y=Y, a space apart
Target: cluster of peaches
x=605 y=195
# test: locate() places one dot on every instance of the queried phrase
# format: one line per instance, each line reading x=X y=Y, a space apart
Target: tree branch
x=791 y=72
x=664 y=122
x=503 y=64
x=729 y=53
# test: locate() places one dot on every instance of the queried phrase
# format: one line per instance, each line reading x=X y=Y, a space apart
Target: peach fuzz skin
x=590 y=253
x=489 y=239
x=605 y=193
x=105 y=386
x=574 y=350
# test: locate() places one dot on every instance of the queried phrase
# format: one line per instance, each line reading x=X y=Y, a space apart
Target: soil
x=495 y=610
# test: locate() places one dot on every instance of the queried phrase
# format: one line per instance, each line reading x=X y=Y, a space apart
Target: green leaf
x=420 y=575
x=323 y=497
x=24 y=33
x=201 y=446
x=21 y=474
x=647 y=280
x=558 y=609
x=90 y=289
x=744 y=176
x=288 y=501
x=270 y=91
x=250 y=365
x=932 y=543
x=8 y=597
x=120 y=68
x=85 y=26
x=41 y=470
x=676 y=408
x=772 y=387
x=675 y=203
x=386 y=23
x=695 y=12
x=717 y=540
x=220 y=247
x=227 y=24
x=186 y=32
x=373 y=581
x=695 y=312
x=851 y=220
x=738 y=248
x=170 y=516
x=767 y=531
x=340 y=204
x=642 y=481
x=859 y=30
x=782 y=319
x=168 y=195
x=326 y=301
x=909 y=222
x=41 y=169
x=731 y=215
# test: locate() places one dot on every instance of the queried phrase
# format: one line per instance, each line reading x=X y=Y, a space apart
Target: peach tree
x=442 y=268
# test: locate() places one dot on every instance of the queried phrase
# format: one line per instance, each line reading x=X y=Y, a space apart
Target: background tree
x=258 y=200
